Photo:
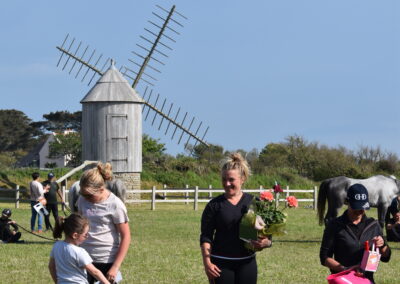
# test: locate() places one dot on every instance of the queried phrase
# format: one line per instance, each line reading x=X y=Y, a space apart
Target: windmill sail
x=87 y=64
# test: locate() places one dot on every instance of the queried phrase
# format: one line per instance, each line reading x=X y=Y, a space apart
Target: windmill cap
x=357 y=196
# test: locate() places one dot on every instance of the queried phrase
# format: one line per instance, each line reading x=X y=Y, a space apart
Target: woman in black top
x=225 y=258
x=343 y=241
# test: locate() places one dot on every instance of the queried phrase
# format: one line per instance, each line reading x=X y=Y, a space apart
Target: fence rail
x=17 y=200
x=189 y=195
x=192 y=195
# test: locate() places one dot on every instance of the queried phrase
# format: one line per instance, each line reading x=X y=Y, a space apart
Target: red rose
x=292 y=201
x=266 y=195
x=277 y=188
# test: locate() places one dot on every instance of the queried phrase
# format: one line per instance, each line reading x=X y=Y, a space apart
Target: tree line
x=289 y=159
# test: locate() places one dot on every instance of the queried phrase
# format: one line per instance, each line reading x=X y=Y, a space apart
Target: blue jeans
x=33 y=218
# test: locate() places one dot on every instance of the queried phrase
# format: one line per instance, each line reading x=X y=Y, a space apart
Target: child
x=8 y=235
x=69 y=262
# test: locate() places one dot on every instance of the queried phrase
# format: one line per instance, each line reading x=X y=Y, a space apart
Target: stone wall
x=132 y=181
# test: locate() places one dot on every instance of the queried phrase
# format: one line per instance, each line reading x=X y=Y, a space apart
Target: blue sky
x=254 y=71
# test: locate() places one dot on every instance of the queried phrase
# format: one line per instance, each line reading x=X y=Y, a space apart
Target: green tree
x=212 y=153
x=151 y=145
x=60 y=120
x=152 y=151
x=274 y=155
x=69 y=145
x=17 y=131
x=301 y=154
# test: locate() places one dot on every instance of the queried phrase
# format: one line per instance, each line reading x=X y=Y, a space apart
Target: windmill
x=109 y=134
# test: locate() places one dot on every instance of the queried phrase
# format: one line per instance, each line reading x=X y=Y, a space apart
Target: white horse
x=381 y=191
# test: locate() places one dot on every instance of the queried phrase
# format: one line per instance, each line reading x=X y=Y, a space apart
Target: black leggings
x=235 y=271
x=103 y=267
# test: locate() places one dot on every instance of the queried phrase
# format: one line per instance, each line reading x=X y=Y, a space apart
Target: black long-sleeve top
x=5 y=230
x=344 y=241
x=220 y=226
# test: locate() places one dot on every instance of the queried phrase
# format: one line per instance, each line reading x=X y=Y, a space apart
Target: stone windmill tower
x=112 y=109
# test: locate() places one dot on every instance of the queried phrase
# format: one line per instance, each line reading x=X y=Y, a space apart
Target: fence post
x=63 y=198
x=196 y=197
x=165 y=194
x=287 y=195
x=153 y=198
x=210 y=192
x=187 y=194
x=277 y=199
x=17 y=197
x=261 y=188
x=315 y=198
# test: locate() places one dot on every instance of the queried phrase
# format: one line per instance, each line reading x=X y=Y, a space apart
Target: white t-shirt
x=104 y=239
x=70 y=262
x=36 y=189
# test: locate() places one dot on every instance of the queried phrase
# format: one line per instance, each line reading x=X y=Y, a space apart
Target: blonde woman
x=109 y=235
x=225 y=258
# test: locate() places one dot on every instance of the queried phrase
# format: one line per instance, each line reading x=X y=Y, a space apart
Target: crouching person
x=8 y=234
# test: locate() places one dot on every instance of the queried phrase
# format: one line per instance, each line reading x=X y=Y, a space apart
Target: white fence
x=17 y=191
x=189 y=195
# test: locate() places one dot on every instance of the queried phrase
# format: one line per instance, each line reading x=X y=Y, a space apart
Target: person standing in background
x=37 y=194
x=51 y=198
x=114 y=185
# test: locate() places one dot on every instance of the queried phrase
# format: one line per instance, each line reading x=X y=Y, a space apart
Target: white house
x=39 y=156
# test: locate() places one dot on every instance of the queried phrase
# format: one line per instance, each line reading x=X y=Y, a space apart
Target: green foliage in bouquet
x=263 y=219
x=268 y=212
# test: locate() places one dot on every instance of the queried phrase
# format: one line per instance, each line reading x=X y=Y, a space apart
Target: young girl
x=68 y=262
x=109 y=235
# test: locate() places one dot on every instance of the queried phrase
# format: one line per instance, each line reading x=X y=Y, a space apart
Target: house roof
x=112 y=87
x=32 y=155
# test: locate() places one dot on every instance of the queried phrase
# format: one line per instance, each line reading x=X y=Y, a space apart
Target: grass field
x=165 y=249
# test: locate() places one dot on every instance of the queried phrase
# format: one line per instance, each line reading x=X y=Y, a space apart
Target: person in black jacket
x=51 y=198
x=7 y=234
x=392 y=221
x=225 y=258
x=344 y=237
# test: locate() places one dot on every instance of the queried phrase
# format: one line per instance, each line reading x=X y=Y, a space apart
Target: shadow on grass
x=31 y=243
x=296 y=241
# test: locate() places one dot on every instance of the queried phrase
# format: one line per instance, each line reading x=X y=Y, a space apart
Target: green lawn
x=165 y=249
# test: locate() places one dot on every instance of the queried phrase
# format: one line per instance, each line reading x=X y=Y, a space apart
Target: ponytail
x=105 y=170
x=59 y=227
x=74 y=223
x=94 y=179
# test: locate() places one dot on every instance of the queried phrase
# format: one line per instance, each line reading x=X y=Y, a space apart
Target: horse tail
x=322 y=197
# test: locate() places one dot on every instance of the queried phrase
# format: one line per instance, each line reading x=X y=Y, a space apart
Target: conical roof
x=112 y=87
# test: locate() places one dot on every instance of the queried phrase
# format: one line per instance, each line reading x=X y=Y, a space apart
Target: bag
x=43 y=201
x=348 y=276
x=370 y=261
